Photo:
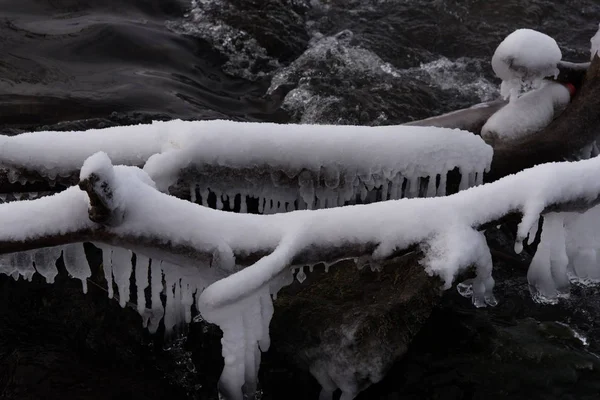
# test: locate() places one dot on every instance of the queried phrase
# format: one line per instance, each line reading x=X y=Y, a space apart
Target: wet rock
x=347 y=326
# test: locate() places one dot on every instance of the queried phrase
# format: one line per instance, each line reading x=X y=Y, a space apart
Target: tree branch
x=577 y=127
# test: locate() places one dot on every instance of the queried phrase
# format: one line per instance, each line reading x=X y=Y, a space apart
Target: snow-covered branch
x=127 y=211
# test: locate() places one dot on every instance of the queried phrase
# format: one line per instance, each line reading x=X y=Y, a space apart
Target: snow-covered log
x=283 y=167
x=185 y=240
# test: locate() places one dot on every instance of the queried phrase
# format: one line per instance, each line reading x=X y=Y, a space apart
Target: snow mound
x=527 y=114
x=523 y=59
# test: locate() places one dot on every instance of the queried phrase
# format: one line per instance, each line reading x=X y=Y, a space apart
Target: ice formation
x=239 y=299
x=569 y=244
x=526 y=114
x=285 y=167
x=318 y=166
x=523 y=59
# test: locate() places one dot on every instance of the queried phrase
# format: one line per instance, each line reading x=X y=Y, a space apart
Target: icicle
x=12 y=175
x=171 y=296
x=245 y=326
x=464 y=180
x=24 y=263
x=33 y=195
x=413 y=189
x=193 y=192
x=307 y=188
x=271 y=208
x=7 y=265
x=479 y=178
x=243 y=204
x=107 y=267
x=18 y=195
x=385 y=187
x=472 y=178
x=266 y=312
x=331 y=176
x=156 y=280
x=179 y=311
x=187 y=300
x=141 y=283
x=547 y=274
x=480 y=289
x=3 y=197
x=261 y=205
x=441 y=190
x=76 y=263
x=121 y=259
x=533 y=232
x=219 y=202
x=431 y=191
x=204 y=197
x=301 y=276
x=234 y=353
x=45 y=262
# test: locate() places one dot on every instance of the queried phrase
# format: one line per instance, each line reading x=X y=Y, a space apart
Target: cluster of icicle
x=570 y=245
x=283 y=191
x=179 y=287
x=245 y=325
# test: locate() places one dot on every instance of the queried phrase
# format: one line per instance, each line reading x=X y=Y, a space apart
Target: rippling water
x=314 y=61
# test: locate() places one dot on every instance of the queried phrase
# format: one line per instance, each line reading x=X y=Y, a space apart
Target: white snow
x=526 y=114
x=285 y=166
x=595 y=42
x=524 y=58
x=239 y=300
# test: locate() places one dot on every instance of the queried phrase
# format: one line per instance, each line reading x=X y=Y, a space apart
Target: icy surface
x=524 y=58
x=526 y=114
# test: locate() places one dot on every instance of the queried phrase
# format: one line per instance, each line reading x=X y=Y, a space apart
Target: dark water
x=356 y=61
x=74 y=64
